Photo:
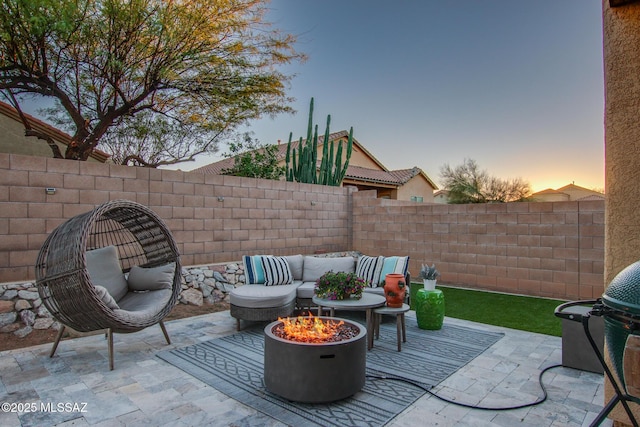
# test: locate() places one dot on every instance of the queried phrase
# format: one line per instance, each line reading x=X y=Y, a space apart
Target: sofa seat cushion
x=260 y=296
x=139 y=306
x=306 y=290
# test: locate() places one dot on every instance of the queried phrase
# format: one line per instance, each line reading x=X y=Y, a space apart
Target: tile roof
x=216 y=168
x=356 y=173
x=397 y=177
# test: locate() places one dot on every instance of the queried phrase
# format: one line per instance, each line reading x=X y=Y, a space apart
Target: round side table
x=429 y=306
x=401 y=329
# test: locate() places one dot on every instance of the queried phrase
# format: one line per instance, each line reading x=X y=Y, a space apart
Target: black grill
x=620 y=310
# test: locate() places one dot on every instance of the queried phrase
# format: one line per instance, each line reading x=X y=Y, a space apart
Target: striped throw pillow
x=368 y=268
x=276 y=271
x=253 y=271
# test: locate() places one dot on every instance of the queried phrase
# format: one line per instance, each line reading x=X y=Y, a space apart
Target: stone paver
x=144 y=390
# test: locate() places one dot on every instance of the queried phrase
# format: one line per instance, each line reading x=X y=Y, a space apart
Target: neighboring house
x=364 y=172
x=14 y=141
x=441 y=196
x=568 y=193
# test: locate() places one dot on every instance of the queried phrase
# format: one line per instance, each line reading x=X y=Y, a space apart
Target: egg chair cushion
x=140 y=307
x=103 y=266
x=152 y=278
x=106 y=297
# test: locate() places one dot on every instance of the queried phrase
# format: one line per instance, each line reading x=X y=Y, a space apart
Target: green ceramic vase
x=429 y=309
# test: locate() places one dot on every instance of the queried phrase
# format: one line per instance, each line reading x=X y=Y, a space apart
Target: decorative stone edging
x=22 y=311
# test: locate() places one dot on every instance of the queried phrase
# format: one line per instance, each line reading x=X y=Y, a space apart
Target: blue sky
x=515 y=85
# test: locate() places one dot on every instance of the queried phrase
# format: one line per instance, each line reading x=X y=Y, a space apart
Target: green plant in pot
x=338 y=286
x=429 y=276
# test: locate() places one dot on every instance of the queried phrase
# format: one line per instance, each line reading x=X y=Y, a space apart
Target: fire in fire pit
x=314 y=330
x=314 y=359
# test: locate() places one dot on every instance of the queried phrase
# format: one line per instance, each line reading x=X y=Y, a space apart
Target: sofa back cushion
x=103 y=266
x=296 y=263
x=314 y=267
x=369 y=268
x=276 y=271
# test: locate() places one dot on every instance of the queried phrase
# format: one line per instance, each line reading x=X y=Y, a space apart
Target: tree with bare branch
x=467 y=183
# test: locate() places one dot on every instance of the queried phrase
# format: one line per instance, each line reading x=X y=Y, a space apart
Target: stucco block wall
x=213 y=218
x=545 y=249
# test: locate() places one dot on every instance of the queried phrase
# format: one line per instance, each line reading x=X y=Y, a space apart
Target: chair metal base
x=109 y=337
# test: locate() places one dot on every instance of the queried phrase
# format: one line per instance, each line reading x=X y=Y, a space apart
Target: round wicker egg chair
x=138 y=239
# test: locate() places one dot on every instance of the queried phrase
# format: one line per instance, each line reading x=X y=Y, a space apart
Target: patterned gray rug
x=234 y=366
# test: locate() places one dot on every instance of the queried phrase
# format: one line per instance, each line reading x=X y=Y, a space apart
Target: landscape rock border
x=22 y=311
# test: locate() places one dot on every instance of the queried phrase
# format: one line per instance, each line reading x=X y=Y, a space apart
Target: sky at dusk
x=515 y=85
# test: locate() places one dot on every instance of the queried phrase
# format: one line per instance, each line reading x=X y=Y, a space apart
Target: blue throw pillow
x=253 y=270
x=394 y=264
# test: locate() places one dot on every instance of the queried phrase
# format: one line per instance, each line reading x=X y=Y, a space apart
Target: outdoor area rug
x=234 y=366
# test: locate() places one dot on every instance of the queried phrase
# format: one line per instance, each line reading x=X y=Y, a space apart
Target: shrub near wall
x=543 y=249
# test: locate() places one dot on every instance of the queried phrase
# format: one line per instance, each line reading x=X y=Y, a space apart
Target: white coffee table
x=368 y=302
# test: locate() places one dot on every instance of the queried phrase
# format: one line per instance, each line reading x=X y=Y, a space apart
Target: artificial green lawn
x=511 y=311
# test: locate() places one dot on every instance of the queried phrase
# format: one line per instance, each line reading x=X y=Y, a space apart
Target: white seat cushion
x=306 y=290
x=260 y=296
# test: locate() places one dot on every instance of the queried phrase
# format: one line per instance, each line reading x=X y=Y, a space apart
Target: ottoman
x=259 y=302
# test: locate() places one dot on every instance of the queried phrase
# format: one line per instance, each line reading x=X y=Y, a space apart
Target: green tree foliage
x=302 y=164
x=467 y=183
x=254 y=160
x=200 y=68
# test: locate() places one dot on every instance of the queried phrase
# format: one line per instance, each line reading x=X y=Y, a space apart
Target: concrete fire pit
x=314 y=372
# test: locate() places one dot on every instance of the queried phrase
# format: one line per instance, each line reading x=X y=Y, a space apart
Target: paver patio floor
x=145 y=390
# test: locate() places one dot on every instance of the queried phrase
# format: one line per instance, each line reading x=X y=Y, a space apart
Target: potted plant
x=429 y=276
x=337 y=286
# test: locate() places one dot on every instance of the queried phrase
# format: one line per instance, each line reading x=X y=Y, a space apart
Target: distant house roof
x=354 y=173
x=56 y=134
x=570 y=192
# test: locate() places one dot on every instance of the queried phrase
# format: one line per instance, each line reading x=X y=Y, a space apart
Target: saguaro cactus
x=302 y=164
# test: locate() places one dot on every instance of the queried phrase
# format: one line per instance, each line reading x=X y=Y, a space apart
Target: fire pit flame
x=309 y=329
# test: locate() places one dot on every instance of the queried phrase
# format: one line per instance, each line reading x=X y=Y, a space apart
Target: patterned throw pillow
x=368 y=268
x=276 y=271
x=394 y=264
x=253 y=271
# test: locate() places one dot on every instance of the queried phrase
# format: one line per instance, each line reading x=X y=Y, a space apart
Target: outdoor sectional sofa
x=276 y=285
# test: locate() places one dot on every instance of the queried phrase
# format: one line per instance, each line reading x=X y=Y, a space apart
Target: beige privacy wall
x=548 y=249
x=213 y=218
x=552 y=249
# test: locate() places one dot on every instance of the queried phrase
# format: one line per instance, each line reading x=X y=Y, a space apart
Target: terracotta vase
x=394 y=289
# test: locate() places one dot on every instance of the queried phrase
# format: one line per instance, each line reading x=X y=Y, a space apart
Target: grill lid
x=623 y=293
